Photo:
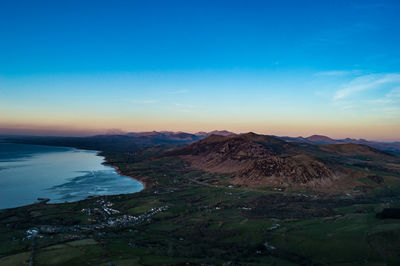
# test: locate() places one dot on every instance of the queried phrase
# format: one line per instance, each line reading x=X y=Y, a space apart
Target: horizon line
x=14 y=132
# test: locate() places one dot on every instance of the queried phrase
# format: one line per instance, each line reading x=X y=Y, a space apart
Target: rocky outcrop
x=294 y=170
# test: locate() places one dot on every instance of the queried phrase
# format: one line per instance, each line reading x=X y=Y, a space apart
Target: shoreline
x=143 y=180
x=140 y=180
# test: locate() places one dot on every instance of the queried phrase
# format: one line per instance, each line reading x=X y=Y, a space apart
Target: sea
x=61 y=174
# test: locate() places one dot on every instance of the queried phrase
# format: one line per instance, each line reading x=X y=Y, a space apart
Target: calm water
x=61 y=174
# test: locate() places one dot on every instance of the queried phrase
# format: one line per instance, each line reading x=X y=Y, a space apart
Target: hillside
x=353 y=149
x=256 y=160
x=125 y=142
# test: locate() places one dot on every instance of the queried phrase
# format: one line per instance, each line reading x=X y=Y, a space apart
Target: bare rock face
x=278 y=171
x=256 y=160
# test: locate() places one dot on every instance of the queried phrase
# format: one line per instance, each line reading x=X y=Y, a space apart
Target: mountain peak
x=221 y=132
x=320 y=138
x=215 y=132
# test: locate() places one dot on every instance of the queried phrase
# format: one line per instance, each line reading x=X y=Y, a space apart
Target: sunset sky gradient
x=273 y=67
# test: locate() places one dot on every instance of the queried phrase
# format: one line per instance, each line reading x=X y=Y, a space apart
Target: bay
x=62 y=174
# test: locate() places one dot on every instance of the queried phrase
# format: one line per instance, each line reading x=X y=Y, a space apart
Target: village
x=101 y=217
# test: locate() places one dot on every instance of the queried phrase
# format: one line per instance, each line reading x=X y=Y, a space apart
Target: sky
x=286 y=68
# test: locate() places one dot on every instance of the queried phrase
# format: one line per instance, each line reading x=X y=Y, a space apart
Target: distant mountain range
x=180 y=134
x=120 y=142
x=182 y=138
x=215 y=132
x=393 y=147
x=158 y=137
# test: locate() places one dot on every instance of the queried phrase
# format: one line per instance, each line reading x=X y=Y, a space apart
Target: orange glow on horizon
x=382 y=132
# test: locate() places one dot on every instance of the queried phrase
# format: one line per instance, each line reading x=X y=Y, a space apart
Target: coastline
x=143 y=180
x=139 y=179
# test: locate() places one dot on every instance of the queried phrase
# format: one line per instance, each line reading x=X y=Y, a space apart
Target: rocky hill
x=257 y=160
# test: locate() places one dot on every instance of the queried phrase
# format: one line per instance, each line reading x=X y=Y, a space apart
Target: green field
x=208 y=222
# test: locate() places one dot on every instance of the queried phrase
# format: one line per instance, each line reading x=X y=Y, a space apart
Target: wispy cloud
x=377 y=94
x=395 y=93
x=367 y=82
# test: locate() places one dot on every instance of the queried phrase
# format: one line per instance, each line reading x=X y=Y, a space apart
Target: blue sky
x=274 y=67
